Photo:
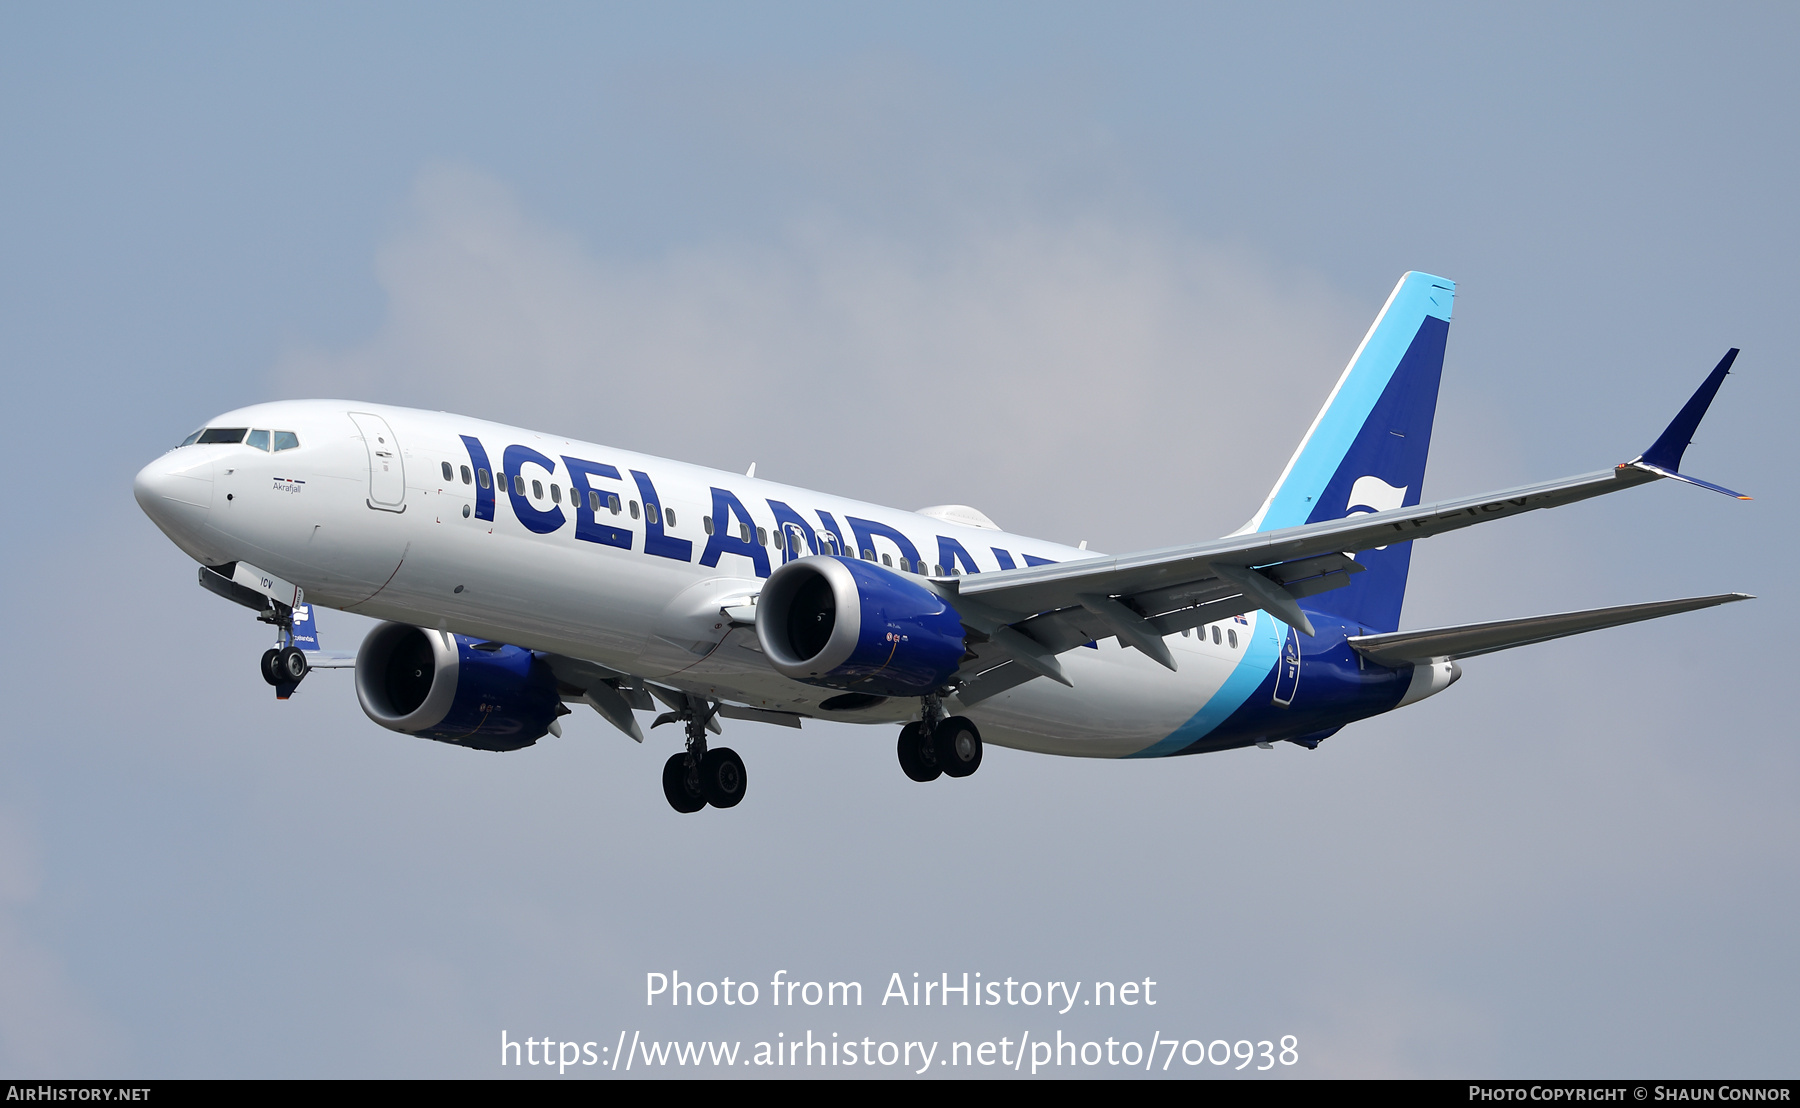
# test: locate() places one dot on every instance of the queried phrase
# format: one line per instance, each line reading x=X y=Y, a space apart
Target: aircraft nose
x=175 y=490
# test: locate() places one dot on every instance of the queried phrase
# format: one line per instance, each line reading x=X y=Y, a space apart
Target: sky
x=1089 y=269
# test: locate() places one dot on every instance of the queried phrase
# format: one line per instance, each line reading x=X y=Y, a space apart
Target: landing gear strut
x=284 y=666
x=936 y=744
x=699 y=776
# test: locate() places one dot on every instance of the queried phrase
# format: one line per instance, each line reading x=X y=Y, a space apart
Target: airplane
x=518 y=573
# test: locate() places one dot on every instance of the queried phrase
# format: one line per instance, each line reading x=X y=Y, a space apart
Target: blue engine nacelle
x=439 y=686
x=844 y=624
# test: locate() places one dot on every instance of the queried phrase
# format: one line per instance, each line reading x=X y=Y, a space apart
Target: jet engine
x=455 y=689
x=845 y=624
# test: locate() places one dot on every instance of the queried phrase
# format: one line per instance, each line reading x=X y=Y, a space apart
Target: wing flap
x=1468 y=640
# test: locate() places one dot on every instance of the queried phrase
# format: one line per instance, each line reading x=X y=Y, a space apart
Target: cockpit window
x=191 y=439
x=286 y=440
x=258 y=439
x=222 y=434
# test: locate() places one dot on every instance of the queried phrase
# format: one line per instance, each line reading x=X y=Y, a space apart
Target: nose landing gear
x=937 y=745
x=284 y=666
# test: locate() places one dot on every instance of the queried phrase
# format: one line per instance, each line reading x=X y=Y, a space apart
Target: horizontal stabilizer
x=1470 y=639
x=330 y=659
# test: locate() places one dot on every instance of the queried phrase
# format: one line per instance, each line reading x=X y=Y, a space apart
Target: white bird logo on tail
x=1372 y=494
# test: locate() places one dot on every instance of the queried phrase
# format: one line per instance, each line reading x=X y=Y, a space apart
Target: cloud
x=47 y=1025
x=1083 y=372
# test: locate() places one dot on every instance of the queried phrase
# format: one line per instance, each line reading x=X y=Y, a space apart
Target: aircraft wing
x=1025 y=617
x=1040 y=588
x=1031 y=615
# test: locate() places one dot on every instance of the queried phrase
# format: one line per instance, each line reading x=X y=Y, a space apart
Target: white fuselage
x=374 y=527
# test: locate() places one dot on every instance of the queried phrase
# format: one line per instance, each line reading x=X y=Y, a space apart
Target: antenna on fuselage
x=751 y=472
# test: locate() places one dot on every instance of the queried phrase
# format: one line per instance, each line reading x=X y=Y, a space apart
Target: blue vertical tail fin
x=1366 y=450
x=306 y=629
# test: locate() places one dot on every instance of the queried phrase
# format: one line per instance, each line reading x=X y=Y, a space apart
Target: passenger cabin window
x=482 y=478
x=286 y=440
x=669 y=516
x=258 y=439
x=613 y=503
x=1215 y=632
x=593 y=502
x=214 y=435
x=1232 y=635
x=744 y=532
x=519 y=484
x=650 y=514
x=762 y=537
x=937 y=570
x=449 y=475
x=781 y=540
x=537 y=490
x=706 y=524
x=466 y=476
x=555 y=493
x=634 y=510
x=887 y=560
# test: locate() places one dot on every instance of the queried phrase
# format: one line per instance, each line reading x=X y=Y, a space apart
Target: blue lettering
x=1034 y=560
x=787 y=520
x=1003 y=558
x=831 y=525
x=950 y=552
x=588 y=526
x=655 y=542
x=541 y=522
x=867 y=529
x=727 y=538
x=484 y=498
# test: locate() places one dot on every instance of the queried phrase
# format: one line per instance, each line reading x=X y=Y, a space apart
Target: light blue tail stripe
x=1416 y=296
x=1260 y=655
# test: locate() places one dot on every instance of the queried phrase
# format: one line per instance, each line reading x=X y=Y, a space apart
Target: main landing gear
x=699 y=776
x=936 y=744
